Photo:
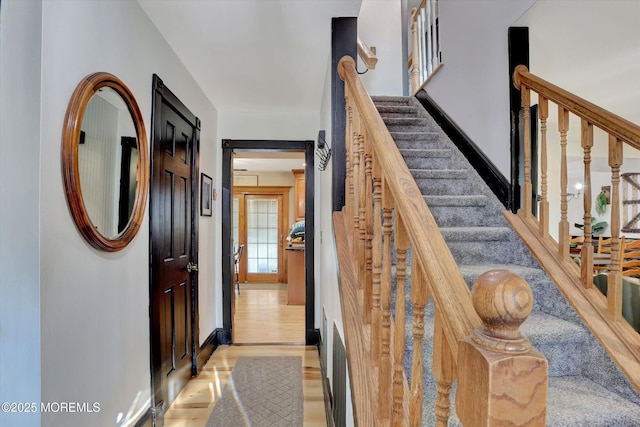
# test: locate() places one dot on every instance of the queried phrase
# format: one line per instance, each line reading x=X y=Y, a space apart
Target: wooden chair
x=630 y=262
x=575 y=244
x=604 y=247
x=236 y=262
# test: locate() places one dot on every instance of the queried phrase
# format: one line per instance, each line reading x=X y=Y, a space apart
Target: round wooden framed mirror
x=105 y=161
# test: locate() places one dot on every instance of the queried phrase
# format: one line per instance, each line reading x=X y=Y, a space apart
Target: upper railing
x=425 y=58
x=604 y=317
x=475 y=338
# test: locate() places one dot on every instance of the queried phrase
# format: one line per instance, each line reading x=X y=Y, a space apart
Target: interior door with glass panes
x=259 y=228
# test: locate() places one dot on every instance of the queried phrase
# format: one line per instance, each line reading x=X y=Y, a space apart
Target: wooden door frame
x=284 y=220
x=161 y=95
x=228 y=147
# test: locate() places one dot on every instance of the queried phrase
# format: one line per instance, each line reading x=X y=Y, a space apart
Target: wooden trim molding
x=228 y=146
x=480 y=162
x=344 y=33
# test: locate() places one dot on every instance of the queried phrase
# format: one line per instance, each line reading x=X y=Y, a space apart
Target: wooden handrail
x=607 y=121
x=429 y=247
x=474 y=335
x=368 y=57
x=602 y=316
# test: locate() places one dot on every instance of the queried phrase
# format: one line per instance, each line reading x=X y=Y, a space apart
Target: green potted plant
x=601 y=203
x=596 y=227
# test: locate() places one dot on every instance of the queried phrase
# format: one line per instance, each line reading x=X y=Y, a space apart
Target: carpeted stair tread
x=428 y=152
x=439 y=173
x=461 y=234
x=469 y=200
x=394 y=110
x=409 y=124
x=547 y=298
x=381 y=100
x=422 y=141
x=578 y=401
x=573 y=401
x=544 y=327
x=471 y=272
x=415 y=136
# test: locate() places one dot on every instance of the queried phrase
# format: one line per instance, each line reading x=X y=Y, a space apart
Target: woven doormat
x=262 y=392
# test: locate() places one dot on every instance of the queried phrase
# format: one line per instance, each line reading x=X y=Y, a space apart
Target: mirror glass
x=105 y=162
x=108 y=162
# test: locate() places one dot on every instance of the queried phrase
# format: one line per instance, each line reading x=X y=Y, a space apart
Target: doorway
x=173 y=247
x=260 y=222
x=229 y=147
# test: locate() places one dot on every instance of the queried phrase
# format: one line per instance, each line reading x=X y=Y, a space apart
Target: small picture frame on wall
x=206 y=190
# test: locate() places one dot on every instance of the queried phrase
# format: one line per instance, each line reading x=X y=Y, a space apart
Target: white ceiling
x=253 y=55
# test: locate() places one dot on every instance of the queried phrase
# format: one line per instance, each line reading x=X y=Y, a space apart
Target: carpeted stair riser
x=432 y=162
x=418 y=140
x=411 y=124
x=466 y=216
x=445 y=187
x=478 y=245
x=554 y=328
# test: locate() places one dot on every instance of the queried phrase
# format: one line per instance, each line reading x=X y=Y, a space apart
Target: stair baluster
x=419 y=298
x=402 y=245
x=443 y=371
x=543 y=112
x=563 y=227
x=376 y=315
x=360 y=203
x=586 y=253
x=614 y=294
x=385 y=372
x=367 y=229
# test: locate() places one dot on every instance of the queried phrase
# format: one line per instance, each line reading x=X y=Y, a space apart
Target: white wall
x=94 y=305
x=380 y=26
x=326 y=268
x=473 y=85
x=601 y=66
x=20 y=38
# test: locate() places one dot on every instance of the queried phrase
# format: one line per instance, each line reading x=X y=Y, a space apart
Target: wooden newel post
x=502 y=379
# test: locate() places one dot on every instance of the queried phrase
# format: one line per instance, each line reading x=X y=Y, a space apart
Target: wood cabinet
x=296 y=275
x=298 y=207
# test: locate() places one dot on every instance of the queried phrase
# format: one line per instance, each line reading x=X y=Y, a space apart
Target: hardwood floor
x=195 y=403
x=262 y=315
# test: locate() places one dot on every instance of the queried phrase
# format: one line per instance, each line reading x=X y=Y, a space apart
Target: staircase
x=586 y=388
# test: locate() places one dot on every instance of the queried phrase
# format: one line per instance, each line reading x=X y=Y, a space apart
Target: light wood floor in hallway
x=266 y=305
x=264 y=317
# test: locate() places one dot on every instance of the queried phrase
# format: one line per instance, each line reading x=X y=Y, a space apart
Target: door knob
x=191 y=267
